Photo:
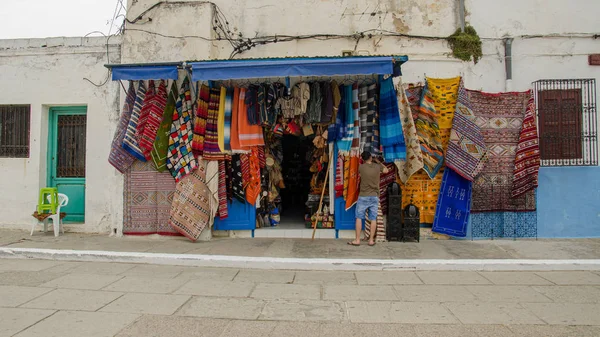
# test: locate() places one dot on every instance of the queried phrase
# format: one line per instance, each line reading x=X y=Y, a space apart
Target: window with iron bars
x=567 y=122
x=14 y=131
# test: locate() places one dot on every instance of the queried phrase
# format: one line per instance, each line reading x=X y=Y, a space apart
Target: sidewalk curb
x=249 y=262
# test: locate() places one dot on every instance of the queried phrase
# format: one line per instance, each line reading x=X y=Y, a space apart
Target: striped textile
x=392 y=137
x=253 y=187
x=385 y=181
x=212 y=181
x=527 y=159
x=118 y=157
x=262 y=159
x=249 y=135
x=337 y=129
x=373 y=119
x=355 y=145
x=180 y=159
x=223 y=214
x=353 y=182
x=145 y=113
x=347 y=133
x=211 y=141
x=227 y=121
x=155 y=117
x=200 y=120
x=362 y=117
x=161 y=143
x=339 y=177
x=414 y=155
x=130 y=141
x=235 y=135
x=221 y=119
x=467 y=152
x=245 y=160
x=190 y=210
x=429 y=134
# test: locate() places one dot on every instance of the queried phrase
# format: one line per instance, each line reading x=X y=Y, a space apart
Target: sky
x=53 y=18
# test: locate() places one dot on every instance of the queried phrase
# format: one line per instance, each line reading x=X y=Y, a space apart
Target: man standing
x=368 y=199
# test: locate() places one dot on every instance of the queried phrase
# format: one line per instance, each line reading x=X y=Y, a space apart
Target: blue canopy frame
x=157 y=71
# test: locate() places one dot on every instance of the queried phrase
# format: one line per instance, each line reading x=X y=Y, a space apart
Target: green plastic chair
x=43 y=204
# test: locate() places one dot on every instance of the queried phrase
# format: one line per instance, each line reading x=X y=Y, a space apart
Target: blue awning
x=144 y=72
x=321 y=66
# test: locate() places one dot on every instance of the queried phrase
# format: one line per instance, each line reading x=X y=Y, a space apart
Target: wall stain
x=401 y=26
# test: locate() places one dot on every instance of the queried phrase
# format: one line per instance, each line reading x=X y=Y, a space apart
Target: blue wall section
x=569 y=202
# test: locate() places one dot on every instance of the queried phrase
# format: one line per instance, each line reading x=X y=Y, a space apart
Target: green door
x=66 y=158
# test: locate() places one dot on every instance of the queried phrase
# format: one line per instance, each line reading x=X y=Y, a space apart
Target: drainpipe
x=461 y=14
x=508 y=62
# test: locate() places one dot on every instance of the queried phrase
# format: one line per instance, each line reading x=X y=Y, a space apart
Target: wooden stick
x=322 y=194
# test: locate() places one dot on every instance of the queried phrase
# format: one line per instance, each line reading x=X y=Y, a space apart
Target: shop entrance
x=296 y=163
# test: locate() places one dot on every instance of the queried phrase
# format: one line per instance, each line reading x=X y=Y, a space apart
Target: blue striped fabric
x=345 y=142
x=130 y=142
x=391 y=135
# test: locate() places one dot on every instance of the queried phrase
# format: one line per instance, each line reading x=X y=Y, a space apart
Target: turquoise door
x=66 y=158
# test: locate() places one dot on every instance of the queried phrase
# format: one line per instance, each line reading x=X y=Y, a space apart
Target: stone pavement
x=305 y=248
x=52 y=298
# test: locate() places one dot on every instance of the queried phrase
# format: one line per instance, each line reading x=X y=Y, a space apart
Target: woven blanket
x=223 y=213
x=373 y=119
x=428 y=132
x=467 y=152
x=423 y=192
x=212 y=181
x=249 y=135
x=237 y=179
x=236 y=147
x=500 y=118
x=190 y=211
x=365 y=142
x=453 y=205
x=392 y=137
x=445 y=94
x=144 y=114
x=200 y=120
x=355 y=145
x=118 y=157
x=353 y=182
x=385 y=180
x=227 y=121
x=153 y=121
x=180 y=159
x=253 y=187
x=147 y=198
x=347 y=132
x=339 y=176
x=504 y=225
x=527 y=158
x=130 y=141
x=161 y=143
x=414 y=156
x=211 y=141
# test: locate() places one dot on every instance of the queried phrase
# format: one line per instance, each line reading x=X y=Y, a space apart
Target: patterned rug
x=414 y=155
x=423 y=191
x=504 y=225
x=190 y=211
x=149 y=129
x=160 y=147
x=118 y=157
x=385 y=180
x=453 y=206
x=467 y=152
x=527 y=159
x=428 y=132
x=130 y=141
x=392 y=137
x=200 y=120
x=147 y=199
x=445 y=94
x=500 y=118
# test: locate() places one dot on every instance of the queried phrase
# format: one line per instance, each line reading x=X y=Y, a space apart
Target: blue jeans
x=367 y=203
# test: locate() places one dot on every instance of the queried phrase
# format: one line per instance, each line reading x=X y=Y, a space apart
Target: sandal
x=353 y=244
x=372 y=244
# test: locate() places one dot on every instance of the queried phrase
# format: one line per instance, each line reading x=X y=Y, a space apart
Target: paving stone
x=516 y=294
x=566 y=313
x=146 y=285
x=13 y=320
x=571 y=294
x=515 y=278
x=399 y=312
x=492 y=313
x=571 y=277
x=447 y=330
x=362 y=330
x=325 y=278
x=213 y=307
x=174 y=326
x=102 y=268
x=156 y=304
x=64 y=267
x=303 y=310
x=544 y=330
x=387 y=277
x=13 y=296
x=27 y=278
x=433 y=293
x=249 y=329
x=82 y=281
x=155 y=271
x=295 y=329
x=216 y=288
x=359 y=293
x=72 y=299
x=452 y=277
x=79 y=323
x=209 y=274
x=272 y=291
x=27 y=265
x=261 y=276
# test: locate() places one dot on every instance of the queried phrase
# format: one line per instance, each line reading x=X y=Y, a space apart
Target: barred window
x=567 y=122
x=14 y=131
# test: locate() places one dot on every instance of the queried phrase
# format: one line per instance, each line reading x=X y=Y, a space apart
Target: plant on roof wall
x=466 y=45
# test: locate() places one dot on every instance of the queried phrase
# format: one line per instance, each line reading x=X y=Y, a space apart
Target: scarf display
x=163 y=134
x=467 y=152
x=313 y=110
x=180 y=159
x=527 y=159
x=200 y=120
x=223 y=214
x=249 y=135
x=221 y=119
x=453 y=206
x=251 y=101
x=326 y=103
x=227 y=122
x=130 y=141
x=118 y=157
x=392 y=137
x=245 y=161
x=211 y=141
x=339 y=176
x=354 y=160
x=362 y=118
x=373 y=137
x=253 y=187
x=236 y=147
x=345 y=143
x=500 y=118
x=428 y=132
x=336 y=131
x=414 y=157
x=155 y=117
x=190 y=211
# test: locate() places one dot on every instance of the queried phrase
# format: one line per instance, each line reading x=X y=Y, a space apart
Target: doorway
x=296 y=175
x=66 y=158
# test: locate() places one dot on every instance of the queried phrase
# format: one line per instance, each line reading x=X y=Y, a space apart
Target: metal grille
x=567 y=122
x=70 y=148
x=14 y=131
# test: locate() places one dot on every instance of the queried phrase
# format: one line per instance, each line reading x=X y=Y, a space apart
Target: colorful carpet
x=423 y=192
x=249 y=135
x=150 y=128
x=428 y=132
x=500 y=118
x=130 y=141
x=223 y=211
x=453 y=206
x=160 y=148
x=527 y=159
x=200 y=120
x=147 y=198
x=118 y=157
x=190 y=211
x=385 y=180
x=445 y=94
x=467 y=152
x=504 y=225
x=414 y=156
x=211 y=140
